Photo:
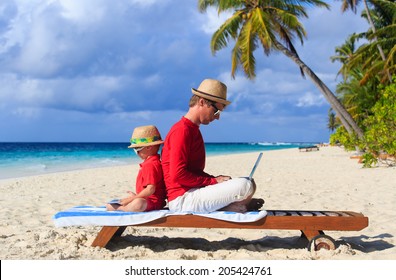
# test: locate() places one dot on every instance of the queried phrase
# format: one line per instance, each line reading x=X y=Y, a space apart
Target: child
x=150 y=186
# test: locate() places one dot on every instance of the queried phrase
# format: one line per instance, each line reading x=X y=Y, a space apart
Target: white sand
x=286 y=179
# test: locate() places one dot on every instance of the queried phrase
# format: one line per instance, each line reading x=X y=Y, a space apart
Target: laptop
x=255 y=166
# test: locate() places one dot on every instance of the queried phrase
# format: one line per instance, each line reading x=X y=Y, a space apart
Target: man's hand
x=222 y=178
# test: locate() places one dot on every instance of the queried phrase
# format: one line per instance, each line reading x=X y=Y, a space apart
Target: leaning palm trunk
x=346 y=119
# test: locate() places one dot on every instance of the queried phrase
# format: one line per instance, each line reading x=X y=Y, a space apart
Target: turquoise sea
x=26 y=159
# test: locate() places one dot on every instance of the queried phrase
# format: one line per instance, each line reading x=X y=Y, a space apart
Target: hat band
x=146 y=140
x=211 y=95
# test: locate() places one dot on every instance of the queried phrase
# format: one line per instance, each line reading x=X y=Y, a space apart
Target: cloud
x=148 y=3
x=269 y=91
x=309 y=99
x=84 y=13
x=212 y=20
x=98 y=58
x=90 y=36
x=83 y=94
x=100 y=67
x=326 y=30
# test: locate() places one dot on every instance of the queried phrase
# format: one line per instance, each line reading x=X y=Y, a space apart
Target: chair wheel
x=321 y=241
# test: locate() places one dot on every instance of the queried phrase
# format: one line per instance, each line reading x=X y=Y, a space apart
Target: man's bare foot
x=235 y=207
x=255 y=204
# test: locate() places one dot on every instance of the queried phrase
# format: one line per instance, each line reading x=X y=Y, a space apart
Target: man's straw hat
x=212 y=90
x=145 y=136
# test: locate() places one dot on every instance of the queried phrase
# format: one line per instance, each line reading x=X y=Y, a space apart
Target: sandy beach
x=287 y=179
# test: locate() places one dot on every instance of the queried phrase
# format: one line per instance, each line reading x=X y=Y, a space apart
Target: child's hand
x=131 y=193
x=125 y=201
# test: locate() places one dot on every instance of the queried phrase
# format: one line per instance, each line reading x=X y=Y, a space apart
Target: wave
x=37 y=167
x=274 y=144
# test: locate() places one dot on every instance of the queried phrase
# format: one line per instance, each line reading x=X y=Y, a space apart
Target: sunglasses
x=137 y=150
x=217 y=110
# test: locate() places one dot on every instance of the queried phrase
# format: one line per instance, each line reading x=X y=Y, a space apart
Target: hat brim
x=159 y=142
x=210 y=97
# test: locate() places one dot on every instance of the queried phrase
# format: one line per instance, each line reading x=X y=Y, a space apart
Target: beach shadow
x=363 y=243
x=163 y=244
x=367 y=244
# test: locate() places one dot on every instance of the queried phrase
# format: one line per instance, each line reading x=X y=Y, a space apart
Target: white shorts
x=213 y=197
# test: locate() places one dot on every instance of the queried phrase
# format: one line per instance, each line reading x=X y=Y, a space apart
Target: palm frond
x=225 y=5
x=229 y=29
x=350 y=5
x=235 y=59
x=290 y=25
x=264 y=29
x=247 y=43
x=222 y=5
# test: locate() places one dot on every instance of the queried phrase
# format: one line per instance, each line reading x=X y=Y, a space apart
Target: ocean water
x=26 y=159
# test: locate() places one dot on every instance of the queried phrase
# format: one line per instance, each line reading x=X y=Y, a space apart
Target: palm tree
x=367 y=57
x=358 y=99
x=273 y=24
x=384 y=17
x=352 y=5
x=332 y=121
x=344 y=54
x=386 y=13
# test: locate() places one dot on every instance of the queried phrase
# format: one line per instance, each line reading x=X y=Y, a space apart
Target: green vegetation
x=379 y=142
x=367 y=90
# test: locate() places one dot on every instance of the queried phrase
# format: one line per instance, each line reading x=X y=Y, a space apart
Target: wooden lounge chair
x=308 y=148
x=311 y=223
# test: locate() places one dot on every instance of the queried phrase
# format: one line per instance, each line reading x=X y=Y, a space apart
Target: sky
x=93 y=70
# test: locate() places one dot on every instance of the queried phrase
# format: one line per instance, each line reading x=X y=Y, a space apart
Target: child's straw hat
x=145 y=136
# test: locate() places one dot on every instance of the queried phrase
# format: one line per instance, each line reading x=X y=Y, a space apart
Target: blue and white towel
x=99 y=216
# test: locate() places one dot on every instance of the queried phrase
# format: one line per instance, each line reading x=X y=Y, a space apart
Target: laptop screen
x=255 y=166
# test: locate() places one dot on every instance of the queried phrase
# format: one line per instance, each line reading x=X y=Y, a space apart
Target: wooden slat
x=354 y=221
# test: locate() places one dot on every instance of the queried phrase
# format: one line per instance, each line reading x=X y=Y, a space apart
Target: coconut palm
x=367 y=57
x=273 y=24
x=332 y=123
x=352 y=5
x=344 y=54
x=358 y=99
x=386 y=13
x=384 y=17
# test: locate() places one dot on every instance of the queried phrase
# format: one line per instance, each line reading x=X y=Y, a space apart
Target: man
x=188 y=187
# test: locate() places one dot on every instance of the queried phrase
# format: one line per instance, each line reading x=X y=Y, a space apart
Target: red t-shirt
x=150 y=173
x=183 y=159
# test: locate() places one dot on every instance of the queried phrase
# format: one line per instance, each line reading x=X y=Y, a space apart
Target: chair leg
x=106 y=234
x=120 y=231
x=309 y=234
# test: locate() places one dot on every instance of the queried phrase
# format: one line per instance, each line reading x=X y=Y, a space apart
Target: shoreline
x=45 y=158
x=65 y=170
x=287 y=179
